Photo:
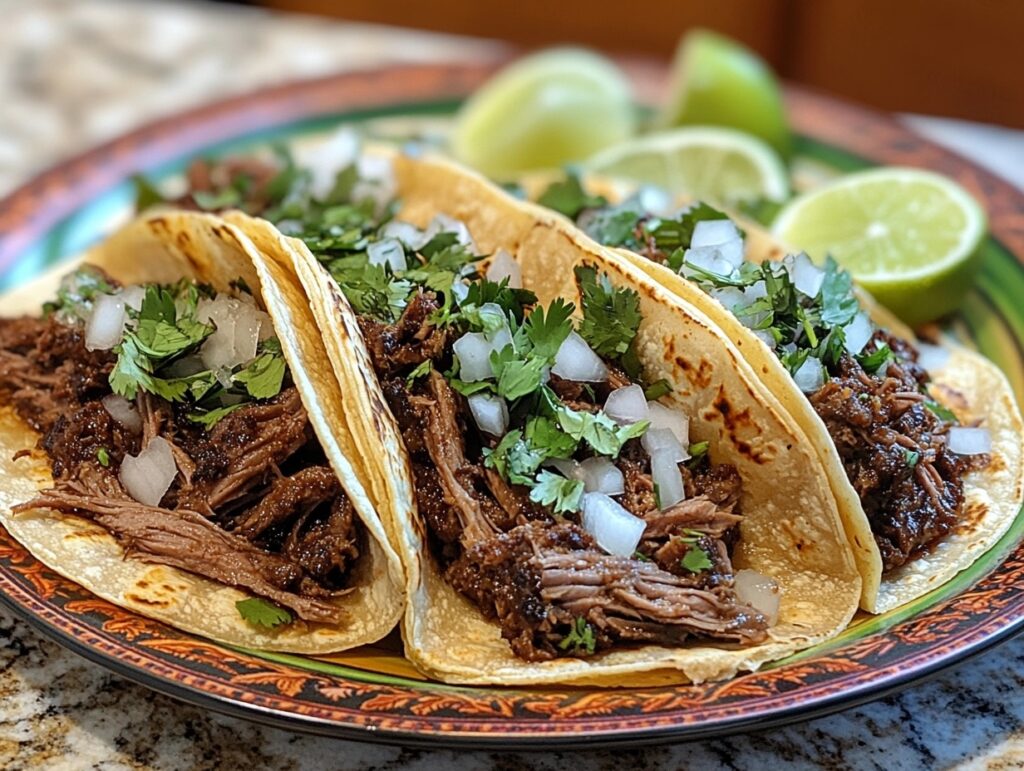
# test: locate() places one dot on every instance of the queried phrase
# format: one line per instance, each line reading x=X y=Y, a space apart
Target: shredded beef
x=894 y=451
x=408 y=342
x=539 y=580
x=254 y=504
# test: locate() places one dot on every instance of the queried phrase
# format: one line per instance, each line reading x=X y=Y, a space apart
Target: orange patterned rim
x=283 y=694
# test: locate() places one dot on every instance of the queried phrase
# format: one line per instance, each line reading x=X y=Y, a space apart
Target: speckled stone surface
x=75 y=73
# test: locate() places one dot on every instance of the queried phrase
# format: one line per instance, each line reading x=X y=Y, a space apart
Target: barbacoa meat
x=894 y=452
x=254 y=504
x=539 y=578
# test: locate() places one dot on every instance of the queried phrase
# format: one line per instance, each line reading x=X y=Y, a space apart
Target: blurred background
x=959 y=58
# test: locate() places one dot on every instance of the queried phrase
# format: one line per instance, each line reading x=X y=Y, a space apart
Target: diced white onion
x=615 y=529
x=600 y=475
x=760 y=592
x=707 y=258
x=713 y=232
x=376 y=181
x=654 y=200
x=576 y=360
x=133 y=296
x=765 y=337
x=731 y=252
x=388 y=251
x=626 y=405
x=931 y=357
x=442 y=223
x=807 y=277
x=147 y=477
x=755 y=291
x=238 y=328
x=406 y=232
x=729 y=296
x=667 y=477
x=810 y=376
x=505 y=266
x=106 y=323
x=473 y=351
x=325 y=159
x=490 y=413
x=123 y=411
x=857 y=333
x=661 y=441
x=967 y=440
x=570 y=469
x=675 y=421
x=460 y=290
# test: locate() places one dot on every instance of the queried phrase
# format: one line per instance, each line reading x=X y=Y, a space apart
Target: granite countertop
x=75 y=73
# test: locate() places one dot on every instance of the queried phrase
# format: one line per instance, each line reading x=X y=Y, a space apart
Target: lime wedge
x=910 y=237
x=544 y=111
x=717 y=165
x=718 y=82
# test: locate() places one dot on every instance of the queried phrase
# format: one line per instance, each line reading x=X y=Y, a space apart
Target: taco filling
x=905 y=454
x=169 y=420
x=556 y=492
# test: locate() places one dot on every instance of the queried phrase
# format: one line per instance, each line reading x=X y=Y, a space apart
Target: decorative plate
x=372 y=693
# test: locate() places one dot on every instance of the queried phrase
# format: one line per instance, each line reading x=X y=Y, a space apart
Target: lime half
x=910 y=237
x=718 y=82
x=542 y=112
x=717 y=165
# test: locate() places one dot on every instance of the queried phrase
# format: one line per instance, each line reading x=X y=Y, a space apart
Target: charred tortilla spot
x=144 y=600
x=973 y=514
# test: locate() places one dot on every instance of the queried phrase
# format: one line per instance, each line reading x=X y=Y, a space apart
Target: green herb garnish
x=696 y=560
x=262 y=612
x=580 y=638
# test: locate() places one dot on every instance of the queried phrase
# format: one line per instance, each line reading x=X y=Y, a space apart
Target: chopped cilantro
x=103 y=456
x=514 y=458
x=210 y=418
x=76 y=294
x=696 y=560
x=568 y=197
x=877 y=360
x=672 y=234
x=147 y=195
x=603 y=434
x=611 y=316
x=421 y=370
x=911 y=457
x=517 y=376
x=614 y=225
x=563 y=495
x=580 y=638
x=941 y=411
x=839 y=303
x=640 y=556
x=263 y=376
x=698 y=450
x=262 y=612
x=655 y=391
x=547 y=331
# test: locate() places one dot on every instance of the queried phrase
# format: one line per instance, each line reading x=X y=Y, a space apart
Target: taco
x=169 y=440
x=585 y=484
x=921 y=441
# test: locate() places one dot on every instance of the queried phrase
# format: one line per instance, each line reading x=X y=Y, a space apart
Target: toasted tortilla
x=791 y=528
x=164 y=248
x=969 y=384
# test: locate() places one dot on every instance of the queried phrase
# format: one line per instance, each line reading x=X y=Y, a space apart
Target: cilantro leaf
x=421 y=370
x=611 y=316
x=547 y=331
x=545 y=436
x=614 y=225
x=656 y=390
x=563 y=495
x=147 y=195
x=568 y=197
x=604 y=435
x=516 y=377
x=941 y=411
x=580 y=638
x=911 y=457
x=514 y=458
x=262 y=612
x=263 y=376
x=513 y=301
x=212 y=417
x=873 y=362
x=696 y=560
x=103 y=456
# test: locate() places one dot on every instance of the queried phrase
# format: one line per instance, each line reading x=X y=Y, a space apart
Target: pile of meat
x=894 y=451
x=254 y=504
x=538 y=574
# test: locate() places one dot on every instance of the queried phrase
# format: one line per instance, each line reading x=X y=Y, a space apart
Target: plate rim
x=72 y=182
